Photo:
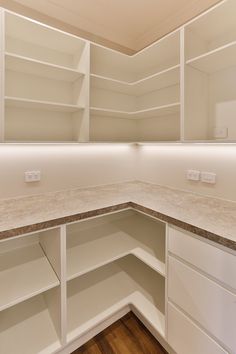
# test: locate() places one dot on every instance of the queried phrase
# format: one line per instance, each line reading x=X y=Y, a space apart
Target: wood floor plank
x=147 y=343
x=126 y=336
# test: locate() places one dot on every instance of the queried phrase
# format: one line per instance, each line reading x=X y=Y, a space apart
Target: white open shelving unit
x=120 y=284
x=30 y=299
x=94 y=243
x=62 y=286
x=210 y=74
x=46 y=79
x=134 y=97
x=56 y=87
x=119 y=257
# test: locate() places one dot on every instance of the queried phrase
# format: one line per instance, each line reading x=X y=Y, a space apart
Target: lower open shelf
x=94 y=243
x=100 y=294
x=25 y=271
x=31 y=326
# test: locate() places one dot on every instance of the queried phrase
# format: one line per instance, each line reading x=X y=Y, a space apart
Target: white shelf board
x=24 y=272
x=219 y=59
x=141 y=305
x=126 y=282
x=31 y=66
x=27 y=328
x=137 y=302
x=37 y=104
x=141 y=114
x=165 y=78
x=86 y=257
x=150 y=260
x=31 y=31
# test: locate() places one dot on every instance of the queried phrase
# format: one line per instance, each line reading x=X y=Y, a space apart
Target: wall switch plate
x=208 y=177
x=193 y=175
x=32 y=176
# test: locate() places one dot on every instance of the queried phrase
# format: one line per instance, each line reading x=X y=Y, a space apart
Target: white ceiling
x=130 y=23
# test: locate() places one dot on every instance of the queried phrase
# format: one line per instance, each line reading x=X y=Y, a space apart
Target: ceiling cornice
x=185 y=14
x=194 y=8
x=48 y=20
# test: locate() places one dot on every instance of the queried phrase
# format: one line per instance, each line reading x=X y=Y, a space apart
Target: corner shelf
x=215 y=60
x=137 y=303
x=44 y=105
x=141 y=114
x=40 y=68
x=85 y=258
x=122 y=284
x=95 y=243
x=24 y=272
x=157 y=81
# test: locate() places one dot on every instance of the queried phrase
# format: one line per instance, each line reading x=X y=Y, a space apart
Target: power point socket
x=193 y=175
x=208 y=177
x=32 y=176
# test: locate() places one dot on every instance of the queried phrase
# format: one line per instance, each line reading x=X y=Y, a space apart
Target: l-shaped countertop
x=211 y=218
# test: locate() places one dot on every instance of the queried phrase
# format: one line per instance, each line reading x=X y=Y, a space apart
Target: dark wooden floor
x=126 y=336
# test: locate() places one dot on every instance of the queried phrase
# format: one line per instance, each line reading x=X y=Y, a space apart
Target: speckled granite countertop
x=211 y=218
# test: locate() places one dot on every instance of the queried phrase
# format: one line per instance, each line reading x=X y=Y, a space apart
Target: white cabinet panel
x=213 y=307
x=185 y=337
x=219 y=264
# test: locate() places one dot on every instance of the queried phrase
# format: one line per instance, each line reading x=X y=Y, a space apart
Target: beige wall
x=166 y=165
x=70 y=166
x=63 y=166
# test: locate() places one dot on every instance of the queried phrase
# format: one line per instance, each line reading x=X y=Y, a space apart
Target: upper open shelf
x=32 y=39
x=213 y=29
x=162 y=55
x=142 y=114
x=93 y=93
x=43 y=105
x=165 y=78
x=215 y=60
x=39 y=68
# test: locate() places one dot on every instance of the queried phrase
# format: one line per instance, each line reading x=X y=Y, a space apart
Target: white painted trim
x=2 y=74
x=63 y=284
x=182 y=84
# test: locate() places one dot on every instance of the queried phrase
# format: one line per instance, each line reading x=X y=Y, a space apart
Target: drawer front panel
x=185 y=337
x=212 y=306
x=212 y=260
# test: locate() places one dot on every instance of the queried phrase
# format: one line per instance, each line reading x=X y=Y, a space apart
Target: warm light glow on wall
x=95 y=148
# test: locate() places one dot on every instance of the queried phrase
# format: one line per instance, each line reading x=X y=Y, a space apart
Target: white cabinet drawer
x=212 y=306
x=185 y=337
x=212 y=260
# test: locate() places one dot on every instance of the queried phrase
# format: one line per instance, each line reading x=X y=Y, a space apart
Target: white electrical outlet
x=208 y=177
x=193 y=175
x=32 y=176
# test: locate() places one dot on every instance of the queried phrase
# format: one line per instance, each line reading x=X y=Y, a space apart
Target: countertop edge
x=47 y=224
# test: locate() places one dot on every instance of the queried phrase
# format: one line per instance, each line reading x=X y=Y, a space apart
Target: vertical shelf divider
x=182 y=84
x=166 y=278
x=2 y=73
x=54 y=246
x=63 y=286
x=81 y=97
